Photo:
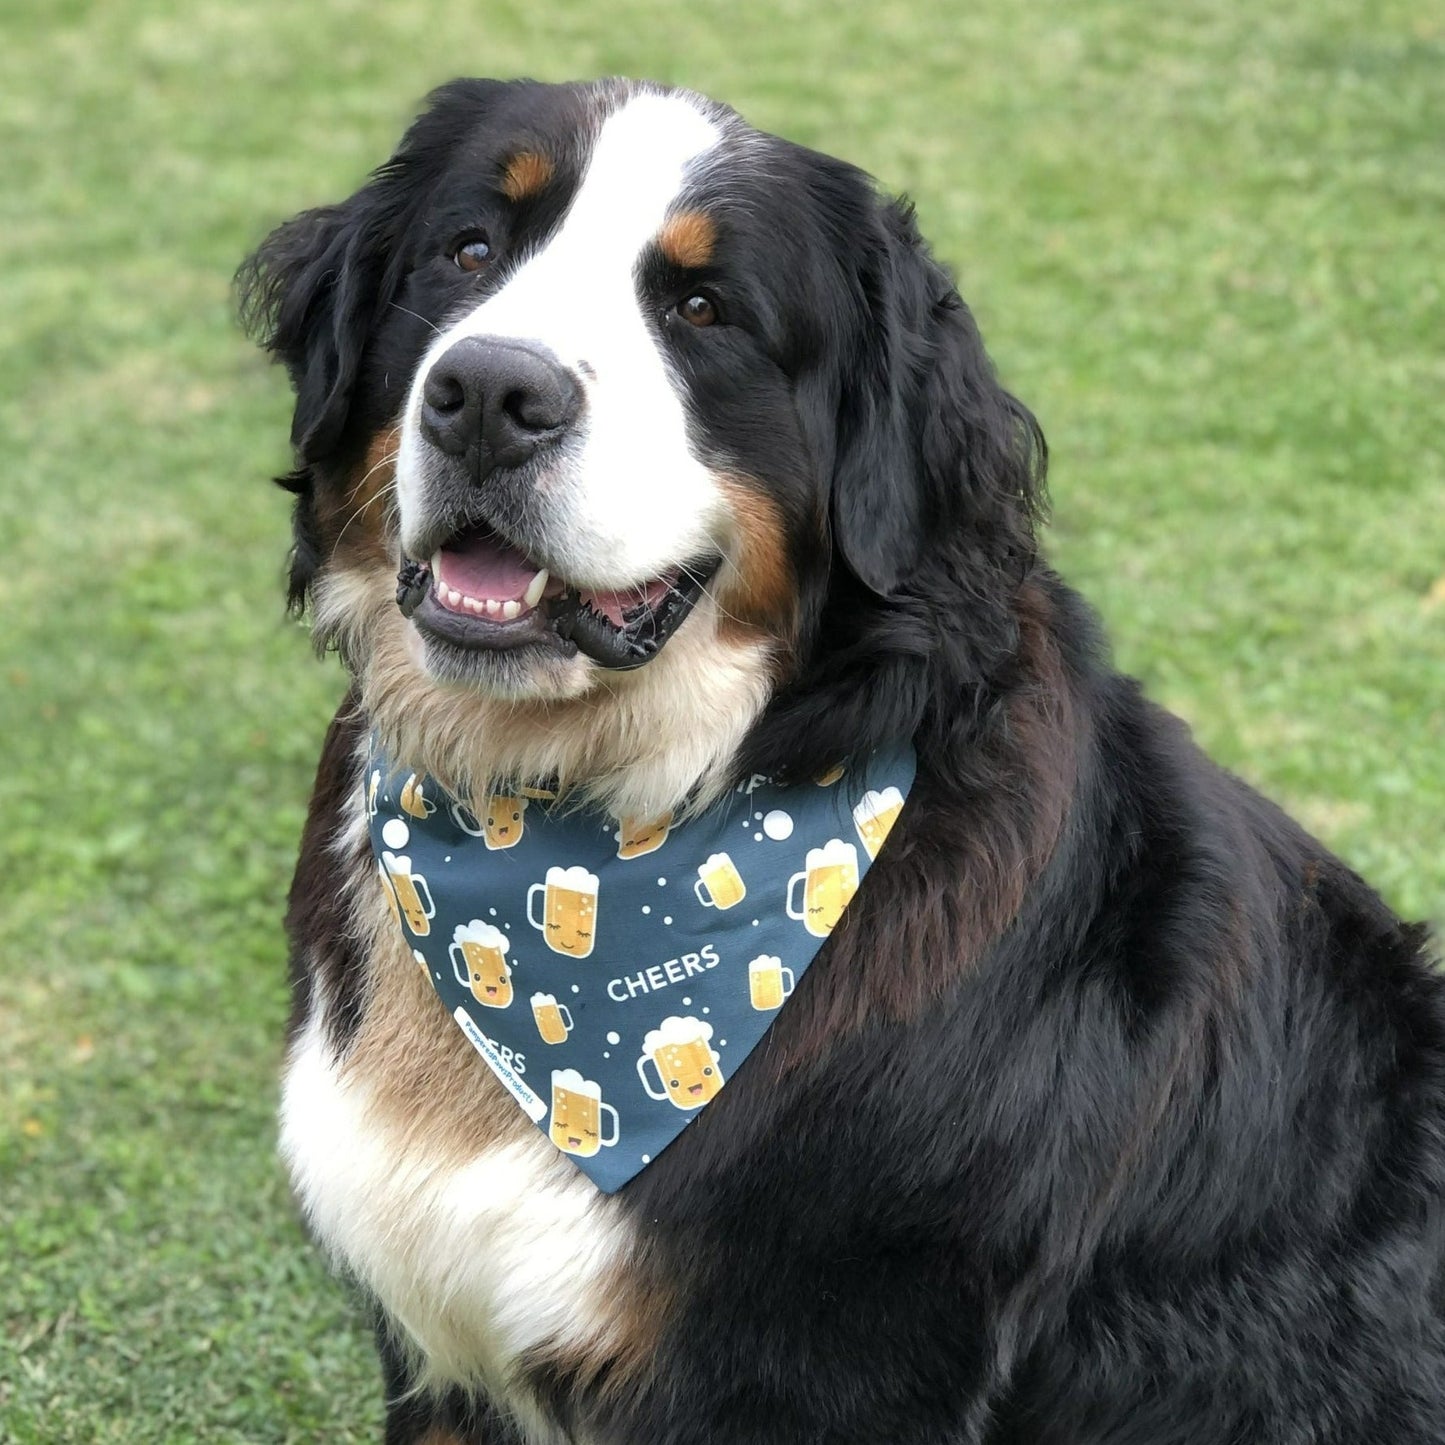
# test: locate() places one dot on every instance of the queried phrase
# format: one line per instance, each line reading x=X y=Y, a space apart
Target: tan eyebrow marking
x=526 y=173
x=688 y=238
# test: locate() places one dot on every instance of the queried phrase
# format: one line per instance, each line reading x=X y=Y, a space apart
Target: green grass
x=1204 y=242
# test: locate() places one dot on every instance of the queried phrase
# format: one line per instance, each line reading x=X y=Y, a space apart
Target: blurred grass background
x=1204 y=242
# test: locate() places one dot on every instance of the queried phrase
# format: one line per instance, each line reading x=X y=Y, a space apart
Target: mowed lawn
x=1205 y=242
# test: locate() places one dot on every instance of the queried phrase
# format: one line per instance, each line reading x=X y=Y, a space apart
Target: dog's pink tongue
x=614 y=604
x=484 y=567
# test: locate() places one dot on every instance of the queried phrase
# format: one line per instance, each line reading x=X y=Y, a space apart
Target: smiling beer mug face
x=829 y=882
x=686 y=1065
x=553 y=1019
x=577 y=1110
x=503 y=825
x=479 y=960
x=413 y=896
x=719 y=884
x=875 y=815
x=636 y=837
x=569 y=910
x=766 y=986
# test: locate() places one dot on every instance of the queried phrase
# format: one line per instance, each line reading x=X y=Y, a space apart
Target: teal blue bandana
x=615 y=972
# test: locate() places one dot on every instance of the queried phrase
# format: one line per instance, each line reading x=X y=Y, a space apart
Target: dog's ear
x=928 y=440
x=315 y=287
x=309 y=295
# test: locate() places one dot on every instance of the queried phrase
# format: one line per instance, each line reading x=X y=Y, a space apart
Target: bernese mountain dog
x=1111 y=1113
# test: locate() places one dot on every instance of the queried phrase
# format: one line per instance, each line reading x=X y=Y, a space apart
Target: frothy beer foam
x=872 y=804
x=393 y=864
x=542 y=1000
x=835 y=853
x=575 y=880
x=764 y=962
x=478 y=931
x=574 y=1083
x=675 y=1030
x=716 y=860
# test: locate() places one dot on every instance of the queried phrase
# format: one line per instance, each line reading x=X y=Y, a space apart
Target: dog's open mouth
x=480 y=592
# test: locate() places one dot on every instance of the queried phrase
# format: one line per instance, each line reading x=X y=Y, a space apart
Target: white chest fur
x=479 y=1259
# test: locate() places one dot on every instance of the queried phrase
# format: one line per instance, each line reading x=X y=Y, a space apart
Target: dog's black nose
x=503 y=397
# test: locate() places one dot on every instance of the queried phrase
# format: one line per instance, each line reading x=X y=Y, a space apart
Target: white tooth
x=436 y=563
x=535 y=588
x=471 y=604
x=493 y=607
x=454 y=597
x=511 y=608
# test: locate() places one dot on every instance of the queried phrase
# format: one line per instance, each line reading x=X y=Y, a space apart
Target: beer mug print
x=577 y=1111
x=414 y=800
x=719 y=884
x=826 y=780
x=875 y=815
x=569 y=910
x=479 y=960
x=465 y=819
x=372 y=788
x=636 y=837
x=829 y=881
x=502 y=827
x=766 y=988
x=390 y=892
x=553 y=1019
x=412 y=895
x=687 y=1067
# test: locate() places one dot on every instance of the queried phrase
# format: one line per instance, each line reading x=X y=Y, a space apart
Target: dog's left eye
x=472 y=253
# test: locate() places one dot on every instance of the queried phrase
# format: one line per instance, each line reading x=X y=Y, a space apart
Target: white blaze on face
x=630 y=499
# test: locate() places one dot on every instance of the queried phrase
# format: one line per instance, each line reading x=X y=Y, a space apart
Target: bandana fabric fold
x=615 y=972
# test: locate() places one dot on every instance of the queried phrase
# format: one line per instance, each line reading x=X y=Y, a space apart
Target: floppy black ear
x=309 y=294
x=928 y=440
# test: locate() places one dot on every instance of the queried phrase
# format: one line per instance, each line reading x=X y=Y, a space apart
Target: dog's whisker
x=387 y=492
x=406 y=310
x=703 y=588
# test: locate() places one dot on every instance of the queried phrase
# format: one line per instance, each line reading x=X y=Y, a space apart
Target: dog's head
x=662 y=420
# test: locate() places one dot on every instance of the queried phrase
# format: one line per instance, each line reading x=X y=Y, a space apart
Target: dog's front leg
x=426 y=1418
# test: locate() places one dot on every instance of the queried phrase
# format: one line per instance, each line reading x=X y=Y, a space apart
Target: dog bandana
x=615 y=972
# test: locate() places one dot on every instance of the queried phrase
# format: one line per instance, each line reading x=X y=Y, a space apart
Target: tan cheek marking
x=688 y=239
x=526 y=174
x=759 y=591
x=354 y=523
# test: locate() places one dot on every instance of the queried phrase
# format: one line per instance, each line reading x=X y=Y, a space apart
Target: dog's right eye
x=698 y=310
x=472 y=252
